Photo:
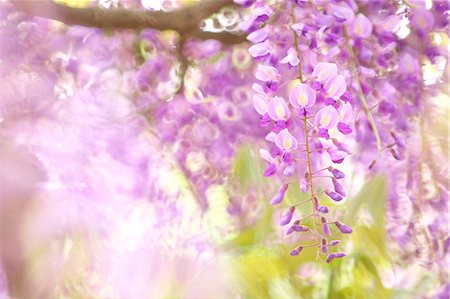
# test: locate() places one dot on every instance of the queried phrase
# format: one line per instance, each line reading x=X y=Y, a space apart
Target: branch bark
x=185 y=21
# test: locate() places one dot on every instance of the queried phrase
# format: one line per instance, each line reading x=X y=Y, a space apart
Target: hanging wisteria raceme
x=421 y=203
x=320 y=59
x=303 y=98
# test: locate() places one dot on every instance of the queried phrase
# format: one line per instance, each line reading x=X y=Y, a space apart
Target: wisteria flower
x=327 y=117
x=291 y=57
x=286 y=141
x=302 y=96
x=260 y=49
x=325 y=71
x=343 y=13
x=336 y=86
x=278 y=109
x=260 y=103
x=266 y=73
x=258 y=36
x=362 y=27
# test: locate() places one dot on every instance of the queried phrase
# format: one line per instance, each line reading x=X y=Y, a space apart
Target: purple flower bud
x=342 y=147
x=339 y=254
x=288 y=216
x=343 y=228
x=330 y=257
x=338 y=187
x=300 y=228
x=304 y=185
x=318 y=146
x=278 y=198
x=323 y=209
x=325 y=227
x=337 y=156
x=270 y=170
x=395 y=154
x=334 y=242
x=398 y=140
x=296 y=251
x=289 y=170
x=336 y=173
x=324 y=246
x=334 y=196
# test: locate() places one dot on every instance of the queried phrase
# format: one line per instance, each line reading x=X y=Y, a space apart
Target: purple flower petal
x=336 y=86
x=278 y=109
x=270 y=170
x=325 y=227
x=288 y=216
x=338 y=187
x=344 y=128
x=258 y=36
x=336 y=173
x=361 y=27
x=343 y=228
x=334 y=196
x=285 y=141
x=325 y=71
x=327 y=117
x=302 y=96
x=278 y=198
x=266 y=73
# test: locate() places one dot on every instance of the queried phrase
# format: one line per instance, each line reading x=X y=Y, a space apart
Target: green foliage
x=247 y=168
x=269 y=272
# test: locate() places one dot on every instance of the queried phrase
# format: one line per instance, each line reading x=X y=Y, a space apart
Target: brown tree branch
x=185 y=20
x=182 y=20
x=223 y=36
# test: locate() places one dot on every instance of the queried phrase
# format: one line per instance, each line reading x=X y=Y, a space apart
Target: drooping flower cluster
x=304 y=99
x=320 y=59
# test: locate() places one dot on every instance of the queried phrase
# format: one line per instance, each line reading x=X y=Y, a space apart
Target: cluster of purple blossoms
x=331 y=72
x=304 y=99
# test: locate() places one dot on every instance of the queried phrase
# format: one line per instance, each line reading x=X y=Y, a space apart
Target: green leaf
x=247 y=168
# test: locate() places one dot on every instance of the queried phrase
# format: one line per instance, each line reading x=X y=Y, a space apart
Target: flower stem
x=305 y=126
x=362 y=97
